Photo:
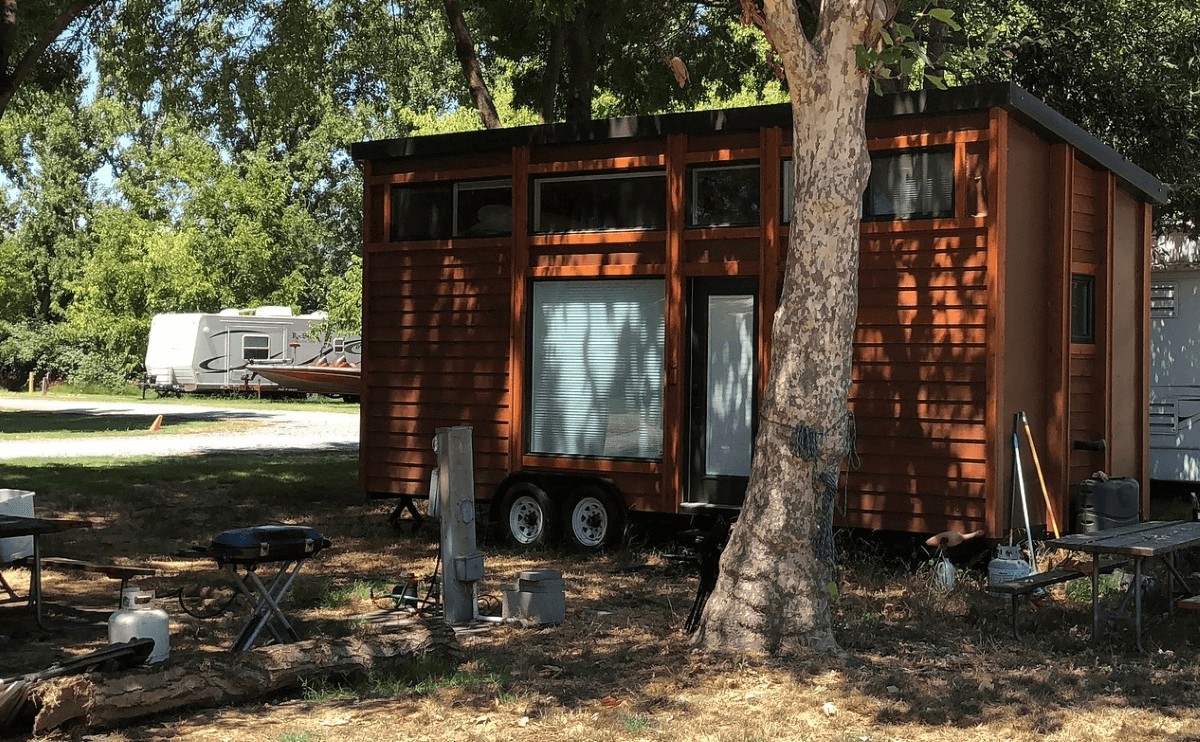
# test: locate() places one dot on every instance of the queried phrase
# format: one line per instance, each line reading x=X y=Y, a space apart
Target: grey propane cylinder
x=462 y=563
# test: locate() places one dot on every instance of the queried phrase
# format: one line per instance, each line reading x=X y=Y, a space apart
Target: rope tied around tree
x=806 y=443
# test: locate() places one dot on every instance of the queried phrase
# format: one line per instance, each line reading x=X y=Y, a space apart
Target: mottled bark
x=464 y=49
x=774 y=590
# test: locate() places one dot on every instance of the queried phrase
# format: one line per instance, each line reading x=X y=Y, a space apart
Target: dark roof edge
x=1043 y=119
x=1030 y=110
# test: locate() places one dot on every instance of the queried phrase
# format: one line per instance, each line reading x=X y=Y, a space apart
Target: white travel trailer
x=210 y=352
x=1175 y=375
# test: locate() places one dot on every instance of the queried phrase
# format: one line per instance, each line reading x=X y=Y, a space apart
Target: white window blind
x=597 y=368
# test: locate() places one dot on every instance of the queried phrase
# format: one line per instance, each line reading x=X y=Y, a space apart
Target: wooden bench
x=115 y=571
x=1191 y=604
x=1030 y=584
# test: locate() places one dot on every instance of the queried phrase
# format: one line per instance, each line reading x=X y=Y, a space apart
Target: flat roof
x=1047 y=122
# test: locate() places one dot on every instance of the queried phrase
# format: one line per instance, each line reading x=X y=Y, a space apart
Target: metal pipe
x=1024 y=504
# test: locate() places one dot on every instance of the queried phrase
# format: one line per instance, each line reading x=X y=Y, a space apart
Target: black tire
x=528 y=516
x=592 y=518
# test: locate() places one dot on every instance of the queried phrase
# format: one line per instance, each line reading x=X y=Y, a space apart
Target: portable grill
x=242 y=550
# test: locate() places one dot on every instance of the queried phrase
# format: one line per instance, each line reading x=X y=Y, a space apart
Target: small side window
x=256 y=347
x=1083 y=308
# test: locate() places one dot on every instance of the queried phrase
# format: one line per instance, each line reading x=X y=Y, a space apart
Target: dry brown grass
x=919 y=666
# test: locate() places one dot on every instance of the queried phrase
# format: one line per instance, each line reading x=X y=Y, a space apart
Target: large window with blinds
x=596 y=364
x=916 y=184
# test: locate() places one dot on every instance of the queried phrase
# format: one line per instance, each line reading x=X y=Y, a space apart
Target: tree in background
x=575 y=60
x=42 y=43
x=1125 y=70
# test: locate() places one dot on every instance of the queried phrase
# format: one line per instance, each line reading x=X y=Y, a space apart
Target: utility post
x=462 y=563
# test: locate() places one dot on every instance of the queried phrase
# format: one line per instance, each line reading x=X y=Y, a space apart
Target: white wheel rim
x=589 y=522
x=526 y=519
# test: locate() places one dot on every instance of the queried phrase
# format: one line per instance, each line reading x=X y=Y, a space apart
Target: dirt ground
x=920 y=664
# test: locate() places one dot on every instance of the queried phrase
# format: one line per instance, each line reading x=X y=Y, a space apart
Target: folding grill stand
x=265 y=601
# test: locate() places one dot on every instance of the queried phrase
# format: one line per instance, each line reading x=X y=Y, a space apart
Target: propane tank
x=138 y=618
x=1008 y=565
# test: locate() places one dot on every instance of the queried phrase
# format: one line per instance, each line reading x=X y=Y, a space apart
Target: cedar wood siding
x=435 y=337
x=962 y=321
x=920 y=377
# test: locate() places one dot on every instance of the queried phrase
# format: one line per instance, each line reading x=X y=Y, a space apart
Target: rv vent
x=1162 y=418
x=1162 y=300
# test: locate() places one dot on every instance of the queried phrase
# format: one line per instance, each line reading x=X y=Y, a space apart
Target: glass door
x=722 y=382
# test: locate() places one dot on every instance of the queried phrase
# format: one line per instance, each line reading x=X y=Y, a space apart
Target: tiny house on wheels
x=199 y=352
x=596 y=301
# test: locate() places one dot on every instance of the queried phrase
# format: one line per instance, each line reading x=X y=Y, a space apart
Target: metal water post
x=462 y=563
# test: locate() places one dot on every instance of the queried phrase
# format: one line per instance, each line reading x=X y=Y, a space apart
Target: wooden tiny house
x=596 y=302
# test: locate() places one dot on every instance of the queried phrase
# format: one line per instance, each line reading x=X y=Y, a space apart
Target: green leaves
x=900 y=56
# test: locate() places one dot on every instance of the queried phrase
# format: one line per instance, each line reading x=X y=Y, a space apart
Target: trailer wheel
x=528 y=515
x=592 y=518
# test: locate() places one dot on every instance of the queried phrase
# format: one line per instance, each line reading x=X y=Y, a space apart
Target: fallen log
x=208 y=680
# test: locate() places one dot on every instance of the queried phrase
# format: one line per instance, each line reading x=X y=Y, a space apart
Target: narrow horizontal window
x=910 y=185
x=439 y=211
x=723 y=195
x=599 y=202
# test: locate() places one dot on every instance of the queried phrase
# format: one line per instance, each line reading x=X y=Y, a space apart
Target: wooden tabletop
x=1151 y=539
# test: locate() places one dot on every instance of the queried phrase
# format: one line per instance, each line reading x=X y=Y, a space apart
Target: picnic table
x=1138 y=542
x=19 y=525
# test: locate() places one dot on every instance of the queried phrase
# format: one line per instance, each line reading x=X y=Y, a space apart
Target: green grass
x=336 y=596
x=275 y=476
x=424 y=677
x=312 y=403
x=38 y=425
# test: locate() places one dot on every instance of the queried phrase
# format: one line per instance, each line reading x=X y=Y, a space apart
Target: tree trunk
x=778 y=571
x=465 y=51
x=209 y=680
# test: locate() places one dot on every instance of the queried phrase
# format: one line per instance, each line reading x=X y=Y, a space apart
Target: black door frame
x=700 y=488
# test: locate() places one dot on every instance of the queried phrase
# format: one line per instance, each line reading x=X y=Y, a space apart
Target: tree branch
x=465 y=51
x=10 y=83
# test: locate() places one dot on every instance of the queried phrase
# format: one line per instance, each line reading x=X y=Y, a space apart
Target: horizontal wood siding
x=437 y=338
x=919 y=391
x=1088 y=374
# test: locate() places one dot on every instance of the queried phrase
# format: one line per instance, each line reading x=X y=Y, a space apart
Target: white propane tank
x=1008 y=565
x=138 y=618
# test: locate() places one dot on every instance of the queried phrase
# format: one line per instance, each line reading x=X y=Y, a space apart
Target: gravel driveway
x=283 y=430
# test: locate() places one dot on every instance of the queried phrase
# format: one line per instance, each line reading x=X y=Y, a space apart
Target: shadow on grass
x=918 y=662
x=63 y=423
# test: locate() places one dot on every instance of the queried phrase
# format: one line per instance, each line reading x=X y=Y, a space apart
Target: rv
x=210 y=352
x=1175 y=376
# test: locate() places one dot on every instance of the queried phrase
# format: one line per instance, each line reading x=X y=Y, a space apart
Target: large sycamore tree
x=777 y=572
